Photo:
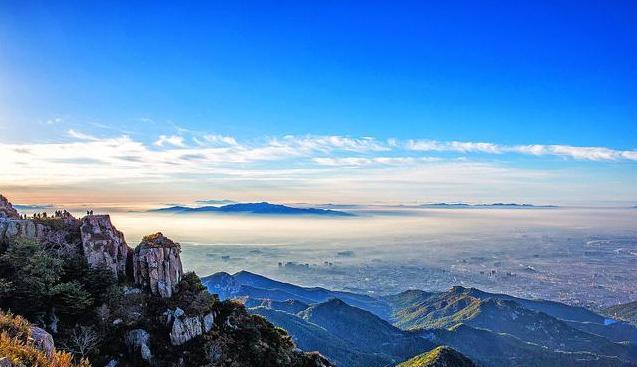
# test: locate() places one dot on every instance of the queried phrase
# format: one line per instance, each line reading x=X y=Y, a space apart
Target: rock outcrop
x=103 y=244
x=60 y=232
x=157 y=265
x=138 y=341
x=7 y=210
x=186 y=328
x=43 y=340
x=11 y=229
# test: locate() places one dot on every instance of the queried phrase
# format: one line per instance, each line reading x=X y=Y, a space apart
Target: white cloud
x=174 y=140
x=220 y=139
x=574 y=152
x=81 y=136
x=347 y=162
x=326 y=163
x=329 y=143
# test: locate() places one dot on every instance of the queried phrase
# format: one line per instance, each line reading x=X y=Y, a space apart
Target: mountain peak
x=442 y=356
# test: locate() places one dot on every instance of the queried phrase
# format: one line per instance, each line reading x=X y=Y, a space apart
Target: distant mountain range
x=490 y=329
x=252 y=208
x=494 y=205
x=254 y=286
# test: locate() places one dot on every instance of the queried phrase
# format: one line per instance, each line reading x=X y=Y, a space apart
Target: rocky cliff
x=103 y=244
x=61 y=233
x=7 y=210
x=156 y=265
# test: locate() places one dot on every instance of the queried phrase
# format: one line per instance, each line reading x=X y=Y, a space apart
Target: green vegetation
x=626 y=312
x=499 y=330
x=439 y=357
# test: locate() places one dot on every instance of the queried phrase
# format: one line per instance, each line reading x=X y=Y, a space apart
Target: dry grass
x=17 y=345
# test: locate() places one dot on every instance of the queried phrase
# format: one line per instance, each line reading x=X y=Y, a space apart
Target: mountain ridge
x=261 y=208
x=490 y=328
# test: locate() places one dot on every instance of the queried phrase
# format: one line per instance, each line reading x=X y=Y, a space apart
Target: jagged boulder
x=186 y=328
x=103 y=244
x=7 y=210
x=157 y=265
x=42 y=340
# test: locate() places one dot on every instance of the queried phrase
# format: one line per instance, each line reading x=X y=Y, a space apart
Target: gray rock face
x=64 y=238
x=208 y=322
x=138 y=340
x=186 y=328
x=157 y=265
x=103 y=244
x=21 y=228
x=43 y=340
x=7 y=210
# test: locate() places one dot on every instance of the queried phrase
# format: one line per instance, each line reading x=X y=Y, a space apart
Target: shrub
x=17 y=346
x=28 y=273
x=70 y=299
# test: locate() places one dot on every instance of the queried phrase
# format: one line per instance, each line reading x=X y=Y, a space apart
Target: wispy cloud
x=323 y=165
x=174 y=140
x=81 y=136
x=220 y=139
x=574 y=152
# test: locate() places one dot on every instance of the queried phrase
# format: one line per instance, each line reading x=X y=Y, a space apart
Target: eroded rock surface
x=61 y=233
x=7 y=210
x=157 y=265
x=103 y=244
x=42 y=340
x=185 y=329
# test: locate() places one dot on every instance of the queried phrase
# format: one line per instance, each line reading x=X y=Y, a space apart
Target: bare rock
x=103 y=244
x=7 y=210
x=138 y=341
x=157 y=265
x=60 y=233
x=208 y=322
x=185 y=329
x=11 y=229
x=42 y=340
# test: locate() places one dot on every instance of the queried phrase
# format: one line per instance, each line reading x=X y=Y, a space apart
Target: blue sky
x=353 y=90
